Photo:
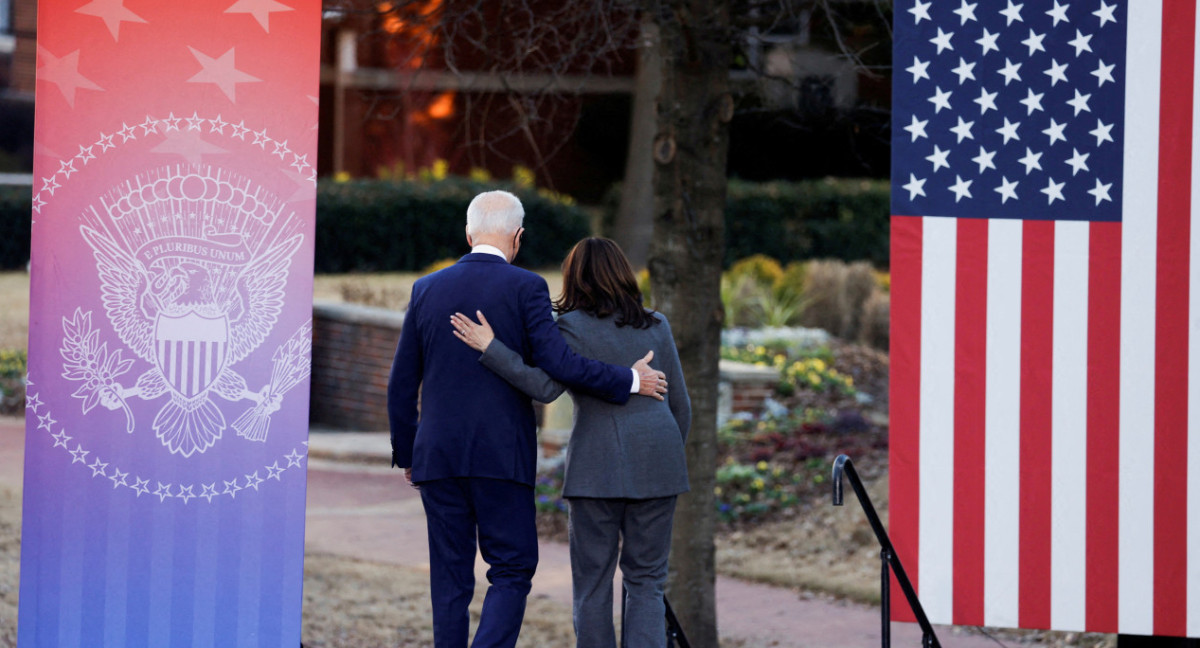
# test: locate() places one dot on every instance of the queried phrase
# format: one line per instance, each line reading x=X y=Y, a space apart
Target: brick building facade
x=18 y=46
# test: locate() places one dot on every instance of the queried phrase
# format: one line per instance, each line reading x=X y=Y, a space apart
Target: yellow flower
x=849 y=381
x=814 y=379
x=818 y=364
x=762 y=465
x=777 y=472
x=759 y=483
x=479 y=175
x=760 y=350
x=523 y=176
x=440 y=167
x=341 y=176
x=780 y=359
x=717 y=491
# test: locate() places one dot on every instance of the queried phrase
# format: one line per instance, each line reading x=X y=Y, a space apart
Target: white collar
x=484 y=248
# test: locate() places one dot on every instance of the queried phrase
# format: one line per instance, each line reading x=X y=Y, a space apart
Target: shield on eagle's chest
x=191 y=350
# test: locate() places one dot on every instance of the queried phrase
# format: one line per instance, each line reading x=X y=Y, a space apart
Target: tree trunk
x=690 y=150
x=634 y=224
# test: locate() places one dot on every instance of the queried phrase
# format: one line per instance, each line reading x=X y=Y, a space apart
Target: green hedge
x=829 y=218
x=373 y=225
x=16 y=205
x=376 y=225
x=809 y=219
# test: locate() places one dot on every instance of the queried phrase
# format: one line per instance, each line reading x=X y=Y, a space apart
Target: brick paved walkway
x=359 y=508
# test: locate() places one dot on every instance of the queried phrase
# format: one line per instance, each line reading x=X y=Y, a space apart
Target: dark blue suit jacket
x=472 y=423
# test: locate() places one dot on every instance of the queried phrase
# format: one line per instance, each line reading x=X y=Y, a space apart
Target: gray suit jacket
x=632 y=451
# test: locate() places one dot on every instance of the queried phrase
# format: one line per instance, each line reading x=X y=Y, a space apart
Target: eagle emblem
x=193 y=264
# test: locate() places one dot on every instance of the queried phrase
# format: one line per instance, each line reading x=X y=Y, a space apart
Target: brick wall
x=25 y=56
x=353 y=348
x=743 y=387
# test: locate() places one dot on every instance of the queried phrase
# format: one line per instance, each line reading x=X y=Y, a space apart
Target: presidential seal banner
x=170 y=323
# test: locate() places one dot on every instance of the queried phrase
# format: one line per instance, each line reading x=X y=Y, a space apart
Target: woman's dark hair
x=598 y=280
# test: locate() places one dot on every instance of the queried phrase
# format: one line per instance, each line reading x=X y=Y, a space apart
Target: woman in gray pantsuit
x=625 y=464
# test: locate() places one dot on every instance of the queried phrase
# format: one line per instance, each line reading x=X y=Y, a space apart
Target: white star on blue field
x=1009 y=110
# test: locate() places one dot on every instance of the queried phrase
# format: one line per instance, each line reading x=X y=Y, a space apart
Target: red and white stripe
x=1045 y=466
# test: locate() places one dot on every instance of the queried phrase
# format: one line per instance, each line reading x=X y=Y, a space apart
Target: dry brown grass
x=831 y=551
x=386 y=289
x=14 y=317
x=354 y=604
x=816 y=547
x=835 y=292
x=10 y=564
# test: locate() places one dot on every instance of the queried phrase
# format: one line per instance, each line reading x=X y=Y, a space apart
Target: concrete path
x=359 y=508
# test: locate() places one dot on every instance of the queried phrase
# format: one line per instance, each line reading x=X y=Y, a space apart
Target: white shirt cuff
x=637 y=382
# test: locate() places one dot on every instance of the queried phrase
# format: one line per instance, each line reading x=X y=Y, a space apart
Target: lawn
x=14 y=317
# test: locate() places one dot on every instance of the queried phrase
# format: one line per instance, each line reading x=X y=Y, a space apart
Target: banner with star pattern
x=1045 y=313
x=170 y=323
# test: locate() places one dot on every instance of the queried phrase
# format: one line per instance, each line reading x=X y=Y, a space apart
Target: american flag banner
x=1045 y=466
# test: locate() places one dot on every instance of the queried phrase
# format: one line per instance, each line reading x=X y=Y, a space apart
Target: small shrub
x=547 y=491
x=757 y=291
x=876 y=319
x=792 y=281
x=745 y=491
x=760 y=267
x=779 y=309
x=836 y=293
x=824 y=288
x=860 y=284
x=741 y=296
x=13 y=368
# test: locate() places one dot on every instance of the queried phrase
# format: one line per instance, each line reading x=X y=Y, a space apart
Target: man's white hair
x=494 y=212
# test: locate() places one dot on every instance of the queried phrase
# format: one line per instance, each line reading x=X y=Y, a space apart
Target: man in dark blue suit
x=472 y=449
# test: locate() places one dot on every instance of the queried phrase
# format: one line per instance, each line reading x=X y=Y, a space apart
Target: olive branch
x=87 y=360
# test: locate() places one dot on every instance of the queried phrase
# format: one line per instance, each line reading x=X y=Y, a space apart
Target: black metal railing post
x=674 y=631
x=843 y=466
x=885 y=600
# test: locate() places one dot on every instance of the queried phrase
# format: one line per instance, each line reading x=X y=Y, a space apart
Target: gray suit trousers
x=638 y=532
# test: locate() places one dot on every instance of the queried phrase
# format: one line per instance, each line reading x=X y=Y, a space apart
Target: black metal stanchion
x=842 y=466
x=885 y=600
x=674 y=631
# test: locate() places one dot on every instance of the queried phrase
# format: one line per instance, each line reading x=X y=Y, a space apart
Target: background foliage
x=405 y=225
x=386 y=225
x=835 y=218
x=810 y=219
